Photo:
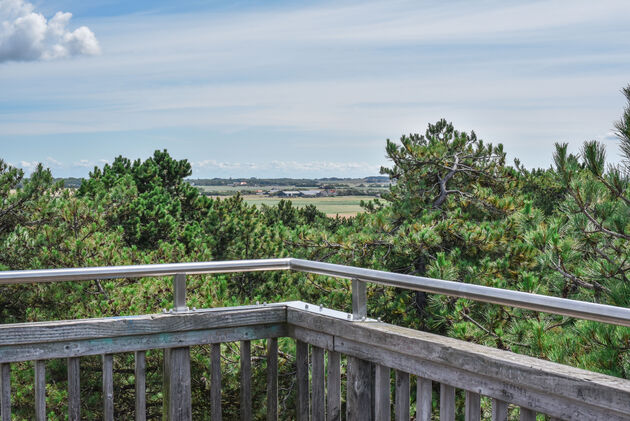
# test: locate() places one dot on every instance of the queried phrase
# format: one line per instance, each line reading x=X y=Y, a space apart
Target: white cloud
x=52 y=162
x=85 y=163
x=26 y=35
x=28 y=166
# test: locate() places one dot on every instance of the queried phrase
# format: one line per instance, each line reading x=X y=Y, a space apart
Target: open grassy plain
x=345 y=206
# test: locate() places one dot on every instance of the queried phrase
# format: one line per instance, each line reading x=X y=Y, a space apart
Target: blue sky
x=309 y=89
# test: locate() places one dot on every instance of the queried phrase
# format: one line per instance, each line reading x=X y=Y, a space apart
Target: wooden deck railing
x=323 y=338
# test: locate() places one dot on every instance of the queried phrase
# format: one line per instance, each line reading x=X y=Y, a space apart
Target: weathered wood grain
x=499 y=410
x=40 y=390
x=473 y=406
x=359 y=388
x=108 y=387
x=333 y=387
x=301 y=361
x=318 y=406
x=215 y=382
x=140 y=385
x=401 y=407
x=382 y=390
x=447 y=402
x=5 y=392
x=74 y=389
x=179 y=385
x=117 y=345
x=246 y=381
x=272 y=379
x=527 y=415
x=318 y=339
x=424 y=399
x=69 y=330
x=166 y=381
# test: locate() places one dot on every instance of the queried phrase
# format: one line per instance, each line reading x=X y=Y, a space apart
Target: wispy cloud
x=26 y=35
x=53 y=162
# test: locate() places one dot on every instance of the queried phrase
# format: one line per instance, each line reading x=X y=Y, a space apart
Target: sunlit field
x=343 y=205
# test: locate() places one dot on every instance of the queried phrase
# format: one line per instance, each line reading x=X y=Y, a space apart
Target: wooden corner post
x=177 y=393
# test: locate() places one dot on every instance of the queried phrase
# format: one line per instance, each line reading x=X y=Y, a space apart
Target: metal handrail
x=544 y=303
x=140 y=271
x=536 y=302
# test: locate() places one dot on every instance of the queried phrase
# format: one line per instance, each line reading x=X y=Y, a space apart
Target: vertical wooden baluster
x=179 y=384
x=499 y=410
x=319 y=385
x=424 y=399
x=473 y=406
x=333 y=384
x=272 y=379
x=359 y=388
x=74 y=389
x=108 y=387
x=215 y=382
x=166 y=390
x=527 y=414
x=246 y=380
x=402 y=396
x=5 y=391
x=302 y=404
x=141 y=386
x=447 y=402
x=40 y=390
x=382 y=389
x=177 y=402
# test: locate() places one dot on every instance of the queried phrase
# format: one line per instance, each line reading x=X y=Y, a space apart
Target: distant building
x=289 y=193
x=311 y=193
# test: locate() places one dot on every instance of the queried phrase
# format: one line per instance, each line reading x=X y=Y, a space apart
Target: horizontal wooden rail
x=46 y=340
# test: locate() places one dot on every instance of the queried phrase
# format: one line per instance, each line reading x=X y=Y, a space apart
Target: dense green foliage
x=455 y=211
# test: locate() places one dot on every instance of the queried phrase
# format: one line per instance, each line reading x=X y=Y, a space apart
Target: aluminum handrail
x=543 y=303
x=536 y=302
x=140 y=271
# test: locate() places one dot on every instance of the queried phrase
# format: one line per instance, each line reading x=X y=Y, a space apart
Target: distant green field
x=342 y=205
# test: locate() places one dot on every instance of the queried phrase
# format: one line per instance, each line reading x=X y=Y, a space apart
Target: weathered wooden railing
x=372 y=350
